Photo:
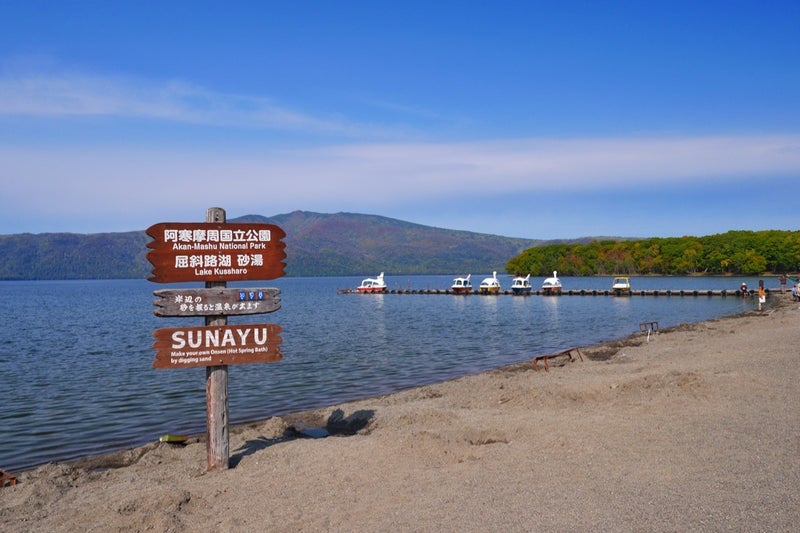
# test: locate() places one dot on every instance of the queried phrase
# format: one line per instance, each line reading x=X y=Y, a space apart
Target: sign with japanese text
x=215 y=252
x=217 y=301
x=208 y=251
x=186 y=347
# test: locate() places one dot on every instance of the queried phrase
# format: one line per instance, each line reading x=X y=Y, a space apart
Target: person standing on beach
x=783 y=283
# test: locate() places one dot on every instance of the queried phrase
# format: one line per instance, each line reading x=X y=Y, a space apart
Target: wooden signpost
x=216 y=301
x=217 y=345
x=182 y=251
x=216 y=252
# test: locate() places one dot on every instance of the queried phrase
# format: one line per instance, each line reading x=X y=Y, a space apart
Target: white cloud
x=519 y=164
x=382 y=174
x=71 y=178
x=82 y=95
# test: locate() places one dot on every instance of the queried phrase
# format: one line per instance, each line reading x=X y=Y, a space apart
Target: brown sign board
x=186 y=347
x=210 y=251
x=216 y=301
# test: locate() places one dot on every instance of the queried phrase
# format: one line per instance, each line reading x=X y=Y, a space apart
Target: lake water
x=76 y=374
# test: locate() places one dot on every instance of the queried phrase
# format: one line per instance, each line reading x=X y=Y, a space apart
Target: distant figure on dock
x=783 y=283
x=743 y=289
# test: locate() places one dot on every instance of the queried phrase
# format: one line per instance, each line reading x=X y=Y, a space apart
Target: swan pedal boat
x=520 y=285
x=552 y=285
x=489 y=285
x=372 y=285
x=462 y=285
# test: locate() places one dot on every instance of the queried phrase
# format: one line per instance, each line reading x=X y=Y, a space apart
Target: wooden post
x=217 y=436
x=176 y=256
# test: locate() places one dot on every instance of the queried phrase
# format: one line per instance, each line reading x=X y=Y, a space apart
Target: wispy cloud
x=135 y=186
x=409 y=110
x=545 y=164
x=85 y=95
x=444 y=169
x=67 y=180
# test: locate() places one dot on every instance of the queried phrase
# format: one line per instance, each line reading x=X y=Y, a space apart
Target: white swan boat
x=520 y=285
x=552 y=285
x=462 y=285
x=371 y=285
x=489 y=285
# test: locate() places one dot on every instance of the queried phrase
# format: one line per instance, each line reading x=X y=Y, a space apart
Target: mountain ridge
x=317 y=244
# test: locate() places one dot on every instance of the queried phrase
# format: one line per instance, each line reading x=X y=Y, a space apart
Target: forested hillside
x=74 y=256
x=352 y=244
x=316 y=245
x=319 y=244
x=734 y=252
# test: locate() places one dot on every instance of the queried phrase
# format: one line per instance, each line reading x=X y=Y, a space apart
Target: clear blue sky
x=526 y=119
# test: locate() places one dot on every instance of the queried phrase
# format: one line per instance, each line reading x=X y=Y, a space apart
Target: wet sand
x=697 y=429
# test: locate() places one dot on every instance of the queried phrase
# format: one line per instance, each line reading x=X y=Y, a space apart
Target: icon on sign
x=242 y=296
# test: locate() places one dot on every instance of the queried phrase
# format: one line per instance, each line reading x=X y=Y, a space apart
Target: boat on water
x=489 y=285
x=552 y=285
x=372 y=285
x=520 y=285
x=621 y=285
x=462 y=285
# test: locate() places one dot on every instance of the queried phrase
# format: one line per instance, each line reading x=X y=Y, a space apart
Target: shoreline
x=695 y=429
x=62 y=438
x=308 y=420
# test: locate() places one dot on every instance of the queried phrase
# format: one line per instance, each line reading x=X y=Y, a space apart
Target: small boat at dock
x=372 y=285
x=520 y=285
x=489 y=285
x=462 y=285
x=552 y=285
x=621 y=286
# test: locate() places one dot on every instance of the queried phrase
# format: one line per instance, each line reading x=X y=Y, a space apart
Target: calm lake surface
x=76 y=357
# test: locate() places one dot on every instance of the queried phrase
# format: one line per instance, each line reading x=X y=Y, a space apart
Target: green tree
x=734 y=252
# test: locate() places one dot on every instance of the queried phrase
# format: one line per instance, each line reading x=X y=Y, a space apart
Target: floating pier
x=579 y=292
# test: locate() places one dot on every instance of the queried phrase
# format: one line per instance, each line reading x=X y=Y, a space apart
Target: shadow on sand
x=337 y=425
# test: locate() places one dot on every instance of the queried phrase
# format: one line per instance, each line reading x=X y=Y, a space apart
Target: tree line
x=732 y=253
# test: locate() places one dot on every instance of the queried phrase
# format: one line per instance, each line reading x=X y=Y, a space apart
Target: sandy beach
x=695 y=429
